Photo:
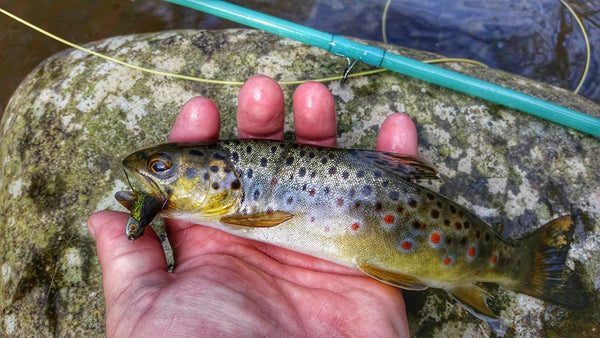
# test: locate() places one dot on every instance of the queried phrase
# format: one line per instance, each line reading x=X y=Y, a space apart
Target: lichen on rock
x=76 y=116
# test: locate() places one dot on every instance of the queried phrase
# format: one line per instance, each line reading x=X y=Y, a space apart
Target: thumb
x=123 y=262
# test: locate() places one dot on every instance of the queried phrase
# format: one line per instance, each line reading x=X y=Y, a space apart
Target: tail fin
x=548 y=277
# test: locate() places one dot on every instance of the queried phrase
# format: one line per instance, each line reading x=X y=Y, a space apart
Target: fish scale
x=359 y=208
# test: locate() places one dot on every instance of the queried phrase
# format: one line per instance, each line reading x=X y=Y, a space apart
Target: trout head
x=193 y=182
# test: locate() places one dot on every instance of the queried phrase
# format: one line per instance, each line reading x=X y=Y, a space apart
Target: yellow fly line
x=239 y=83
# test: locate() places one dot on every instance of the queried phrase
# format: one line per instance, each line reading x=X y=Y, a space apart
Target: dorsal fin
x=405 y=166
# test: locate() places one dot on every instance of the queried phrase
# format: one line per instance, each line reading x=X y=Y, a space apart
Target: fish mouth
x=140 y=185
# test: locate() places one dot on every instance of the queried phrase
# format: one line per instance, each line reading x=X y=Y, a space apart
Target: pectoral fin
x=261 y=220
x=473 y=298
x=393 y=278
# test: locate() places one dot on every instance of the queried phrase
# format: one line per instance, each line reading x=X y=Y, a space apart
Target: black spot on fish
x=256 y=194
x=360 y=174
x=352 y=193
x=235 y=185
x=273 y=149
x=250 y=173
x=332 y=171
x=311 y=154
x=289 y=160
x=412 y=203
x=430 y=196
x=447 y=222
x=196 y=153
x=190 y=172
x=466 y=224
x=345 y=175
x=448 y=240
x=477 y=234
x=304 y=187
x=394 y=195
x=366 y=190
x=324 y=160
x=385 y=183
x=227 y=169
x=302 y=171
x=399 y=209
x=206 y=176
x=357 y=204
x=290 y=200
x=418 y=225
x=460 y=213
x=463 y=241
x=235 y=157
x=218 y=156
x=214 y=168
x=452 y=209
x=377 y=173
x=215 y=185
x=263 y=162
x=302 y=153
x=249 y=149
x=331 y=156
x=439 y=204
x=326 y=190
x=487 y=236
x=435 y=214
x=313 y=174
x=378 y=206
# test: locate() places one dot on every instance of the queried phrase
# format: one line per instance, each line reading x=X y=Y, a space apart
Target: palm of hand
x=225 y=285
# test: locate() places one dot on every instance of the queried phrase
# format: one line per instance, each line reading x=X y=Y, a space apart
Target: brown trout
x=358 y=208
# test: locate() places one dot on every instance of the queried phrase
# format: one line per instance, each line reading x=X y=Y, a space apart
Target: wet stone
x=75 y=117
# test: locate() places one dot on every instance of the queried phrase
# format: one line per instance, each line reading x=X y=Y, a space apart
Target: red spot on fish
x=312 y=219
x=269 y=211
x=494 y=259
x=472 y=251
x=389 y=219
x=435 y=238
x=273 y=181
x=311 y=192
x=447 y=261
x=339 y=202
x=406 y=245
x=477 y=272
x=457 y=226
x=355 y=226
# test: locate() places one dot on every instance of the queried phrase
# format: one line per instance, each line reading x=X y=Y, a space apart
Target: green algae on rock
x=76 y=116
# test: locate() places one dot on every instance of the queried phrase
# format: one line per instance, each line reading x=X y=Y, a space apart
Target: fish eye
x=160 y=164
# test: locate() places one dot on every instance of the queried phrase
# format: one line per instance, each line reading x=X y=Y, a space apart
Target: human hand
x=224 y=285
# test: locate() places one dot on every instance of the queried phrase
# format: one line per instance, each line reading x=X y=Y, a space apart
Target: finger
x=125 y=263
x=314 y=115
x=198 y=120
x=398 y=134
x=260 y=109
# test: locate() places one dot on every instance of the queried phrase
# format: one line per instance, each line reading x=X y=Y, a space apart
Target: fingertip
x=261 y=109
x=198 y=120
x=398 y=134
x=314 y=115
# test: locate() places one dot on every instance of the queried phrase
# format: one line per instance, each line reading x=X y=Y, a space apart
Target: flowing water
x=535 y=38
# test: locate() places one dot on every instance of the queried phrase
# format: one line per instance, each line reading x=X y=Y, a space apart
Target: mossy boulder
x=76 y=116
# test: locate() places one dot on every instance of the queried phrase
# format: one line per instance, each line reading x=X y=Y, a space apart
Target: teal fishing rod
x=400 y=64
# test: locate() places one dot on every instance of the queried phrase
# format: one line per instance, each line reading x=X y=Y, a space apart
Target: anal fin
x=260 y=220
x=473 y=298
x=393 y=278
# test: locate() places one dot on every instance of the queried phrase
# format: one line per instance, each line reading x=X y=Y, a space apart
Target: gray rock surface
x=76 y=116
